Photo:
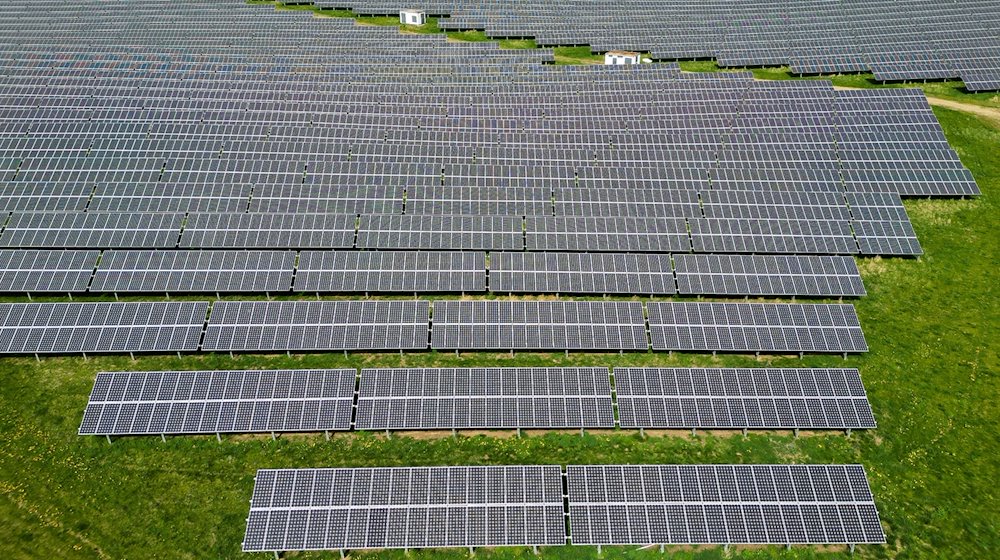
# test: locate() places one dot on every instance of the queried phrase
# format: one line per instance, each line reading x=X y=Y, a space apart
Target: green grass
x=931 y=377
x=576 y=55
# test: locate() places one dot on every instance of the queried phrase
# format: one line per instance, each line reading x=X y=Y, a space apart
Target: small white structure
x=412 y=17
x=622 y=57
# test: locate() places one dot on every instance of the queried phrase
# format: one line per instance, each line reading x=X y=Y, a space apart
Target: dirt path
x=986 y=112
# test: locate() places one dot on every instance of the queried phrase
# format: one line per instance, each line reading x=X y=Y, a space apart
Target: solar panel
x=721 y=504
x=412 y=231
x=260 y=326
x=581 y=273
x=194 y=271
x=391 y=271
x=768 y=275
x=453 y=200
x=606 y=234
x=65 y=328
x=164 y=197
x=92 y=230
x=755 y=327
x=487 y=398
x=632 y=202
x=44 y=197
x=193 y=402
x=46 y=271
x=884 y=237
x=408 y=507
x=538 y=325
x=679 y=398
x=269 y=231
x=739 y=235
x=327 y=198
x=784 y=205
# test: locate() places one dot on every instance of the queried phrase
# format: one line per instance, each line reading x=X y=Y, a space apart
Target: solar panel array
x=191 y=141
x=721 y=504
x=408 y=507
x=177 y=402
x=741 y=398
x=192 y=402
x=755 y=327
x=261 y=326
x=439 y=507
x=464 y=398
x=47 y=328
x=538 y=325
x=272 y=272
x=911 y=40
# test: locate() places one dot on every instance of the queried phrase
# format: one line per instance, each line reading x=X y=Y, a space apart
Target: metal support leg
x=163 y=438
x=796 y=431
x=273 y=436
x=218 y=437
x=662 y=548
x=108 y=438
x=851 y=547
x=848 y=432
x=744 y=432
x=327 y=434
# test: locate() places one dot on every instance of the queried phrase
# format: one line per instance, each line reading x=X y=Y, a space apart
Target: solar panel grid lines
x=98 y=327
x=755 y=327
x=582 y=273
x=538 y=325
x=484 y=398
x=194 y=402
x=681 y=398
x=54 y=271
x=204 y=271
x=391 y=271
x=721 y=504
x=405 y=507
x=261 y=326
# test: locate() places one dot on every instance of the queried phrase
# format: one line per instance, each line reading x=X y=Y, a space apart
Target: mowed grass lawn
x=931 y=376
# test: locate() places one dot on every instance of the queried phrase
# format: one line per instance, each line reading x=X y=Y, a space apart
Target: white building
x=622 y=57
x=412 y=17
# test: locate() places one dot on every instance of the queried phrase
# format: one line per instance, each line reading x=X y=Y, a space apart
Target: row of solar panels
x=430 y=507
x=272 y=272
x=268 y=326
x=436 y=232
x=507 y=197
x=915 y=40
x=178 y=402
